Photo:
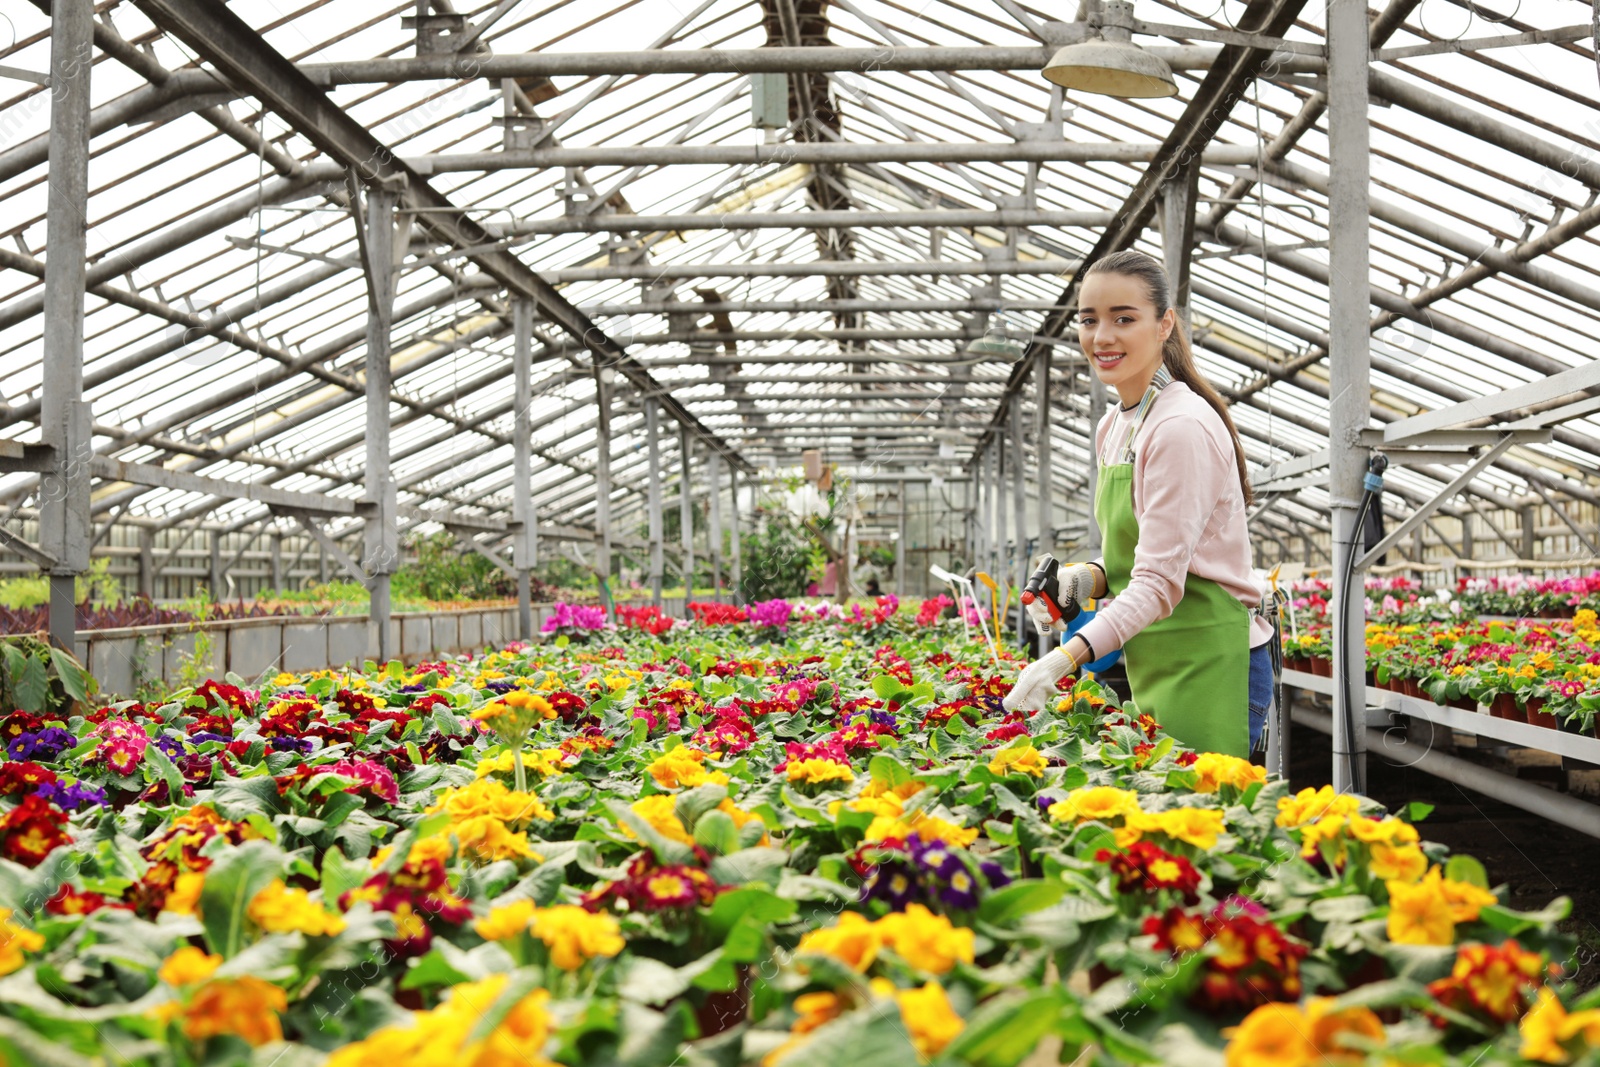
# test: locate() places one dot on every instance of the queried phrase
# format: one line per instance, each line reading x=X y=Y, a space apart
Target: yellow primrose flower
x=1217 y=770
x=930 y=1021
x=188 y=966
x=928 y=827
x=1309 y=805
x=506 y=921
x=574 y=934
x=278 y=909
x=1099 y=803
x=1397 y=863
x=927 y=941
x=1420 y=913
x=683 y=768
x=1196 y=826
x=1285 y=1035
x=14 y=941
x=818 y=771
x=184 y=898
x=659 y=811
x=1023 y=760
x=1551 y=1034
x=852 y=940
x=440 y=1036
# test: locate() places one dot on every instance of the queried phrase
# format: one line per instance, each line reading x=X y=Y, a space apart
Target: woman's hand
x=1036 y=685
x=1076 y=583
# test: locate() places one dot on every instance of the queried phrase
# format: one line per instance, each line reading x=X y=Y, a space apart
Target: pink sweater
x=1191 y=516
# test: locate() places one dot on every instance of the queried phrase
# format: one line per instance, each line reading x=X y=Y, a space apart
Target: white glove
x=1076 y=584
x=1036 y=685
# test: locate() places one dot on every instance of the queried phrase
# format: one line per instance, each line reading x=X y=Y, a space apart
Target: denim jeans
x=1260 y=691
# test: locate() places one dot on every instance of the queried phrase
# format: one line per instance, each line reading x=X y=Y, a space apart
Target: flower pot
x=1505 y=707
x=1537 y=716
x=1321 y=666
x=1099 y=975
x=724 y=1011
x=1464 y=703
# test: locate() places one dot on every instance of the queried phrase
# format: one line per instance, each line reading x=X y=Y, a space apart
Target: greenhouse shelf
x=1558 y=742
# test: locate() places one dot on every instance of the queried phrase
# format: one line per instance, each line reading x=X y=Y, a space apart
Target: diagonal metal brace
x=22 y=548
x=467 y=538
x=340 y=556
x=1420 y=514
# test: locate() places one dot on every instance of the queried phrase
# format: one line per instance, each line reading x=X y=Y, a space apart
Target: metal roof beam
x=818 y=153
x=247 y=60
x=807 y=220
x=821 y=269
x=1192 y=132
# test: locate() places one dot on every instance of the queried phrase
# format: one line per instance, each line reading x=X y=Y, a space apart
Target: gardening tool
x=1044 y=588
x=972 y=592
x=955 y=584
x=994 y=610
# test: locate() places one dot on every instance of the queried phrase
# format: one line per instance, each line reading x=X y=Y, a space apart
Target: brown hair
x=1176 y=354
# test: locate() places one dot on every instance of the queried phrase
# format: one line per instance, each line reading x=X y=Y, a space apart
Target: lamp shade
x=1111 y=68
x=1001 y=337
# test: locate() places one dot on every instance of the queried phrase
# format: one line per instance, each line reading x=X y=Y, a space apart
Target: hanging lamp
x=1111 y=64
x=1002 y=337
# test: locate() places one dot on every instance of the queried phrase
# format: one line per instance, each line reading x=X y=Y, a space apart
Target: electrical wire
x=1369 y=494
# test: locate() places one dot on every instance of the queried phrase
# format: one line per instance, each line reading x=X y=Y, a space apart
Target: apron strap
x=1160 y=381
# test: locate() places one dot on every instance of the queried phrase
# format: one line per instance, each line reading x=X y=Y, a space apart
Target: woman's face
x=1121 y=332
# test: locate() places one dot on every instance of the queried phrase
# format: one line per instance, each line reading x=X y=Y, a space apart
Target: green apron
x=1191 y=670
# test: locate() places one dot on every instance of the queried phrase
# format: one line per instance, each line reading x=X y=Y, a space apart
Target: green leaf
x=238 y=797
x=1005 y=1029
x=1020 y=898
x=717 y=832
x=873 y=1036
x=694 y=803
x=888 y=770
x=338 y=807
x=167 y=772
x=1418 y=810
x=887 y=687
x=236 y=875
x=1466 y=869
x=30 y=684
x=432 y=970
x=340 y=875
x=521 y=984
x=74 y=679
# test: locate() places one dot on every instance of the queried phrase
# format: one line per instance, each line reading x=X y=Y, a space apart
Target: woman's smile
x=1107 y=360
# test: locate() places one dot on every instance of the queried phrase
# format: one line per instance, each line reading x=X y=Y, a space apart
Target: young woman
x=1170 y=502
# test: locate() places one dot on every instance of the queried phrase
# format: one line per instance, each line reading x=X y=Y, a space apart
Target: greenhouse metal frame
x=579 y=265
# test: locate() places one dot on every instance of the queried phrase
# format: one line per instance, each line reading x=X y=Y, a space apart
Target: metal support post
x=713 y=477
x=146 y=581
x=902 y=584
x=64 y=489
x=522 y=513
x=652 y=433
x=602 y=482
x=736 y=550
x=1349 y=363
x=1019 y=509
x=1530 y=530
x=382 y=524
x=1046 y=503
x=997 y=501
x=686 y=510
x=1177 y=233
x=216 y=580
x=275 y=560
